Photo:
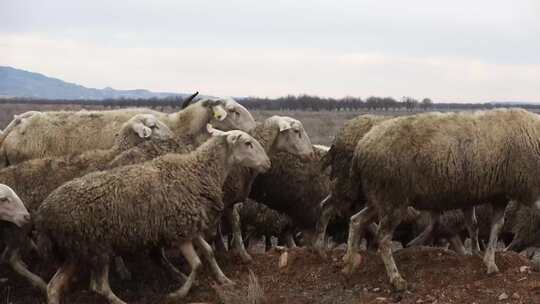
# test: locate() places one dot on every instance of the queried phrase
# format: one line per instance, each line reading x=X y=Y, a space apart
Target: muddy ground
x=435 y=275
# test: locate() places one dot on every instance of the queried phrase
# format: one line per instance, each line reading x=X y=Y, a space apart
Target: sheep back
x=294 y=187
x=446 y=161
x=132 y=207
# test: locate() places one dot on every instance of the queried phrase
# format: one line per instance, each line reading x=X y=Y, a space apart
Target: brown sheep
x=294 y=187
x=277 y=134
x=344 y=198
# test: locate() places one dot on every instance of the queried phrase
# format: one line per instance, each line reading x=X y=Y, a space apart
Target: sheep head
x=12 y=208
x=147 y=125
x=245 y=150
x=238 y=117
x=292 y=137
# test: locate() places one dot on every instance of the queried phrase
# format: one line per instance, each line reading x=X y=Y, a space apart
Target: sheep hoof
x=492 y=269
x=399 y=284
x=226 y=281
x=174 y=297
x=245 y=257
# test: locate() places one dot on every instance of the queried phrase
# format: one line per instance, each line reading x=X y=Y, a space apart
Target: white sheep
x=67 y=132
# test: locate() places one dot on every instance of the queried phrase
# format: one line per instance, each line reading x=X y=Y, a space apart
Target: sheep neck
x=211 y=158
x=190 y=121
x=266 y=134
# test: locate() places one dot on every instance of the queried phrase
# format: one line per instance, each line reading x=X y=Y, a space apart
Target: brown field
x=436 y=275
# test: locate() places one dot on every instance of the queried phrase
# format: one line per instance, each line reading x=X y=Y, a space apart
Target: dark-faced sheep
x=60 y=133
x=258 y=220
x=171 y=200
x=295 y=188
x=277 y=134
x=440 y=162
x=344 y=199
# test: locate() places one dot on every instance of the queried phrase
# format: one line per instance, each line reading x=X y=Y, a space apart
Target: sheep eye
x=248 y=144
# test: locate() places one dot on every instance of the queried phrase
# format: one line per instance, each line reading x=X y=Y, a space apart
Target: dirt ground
x=435 y=275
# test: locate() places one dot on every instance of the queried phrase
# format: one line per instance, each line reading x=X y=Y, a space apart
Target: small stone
x=376 y=289
x=365 y=289
x=283 y=260
x=381 y=299
x=430 y=298
x=419 y=301
x=515 y=295
x=503 y=296
x=524 y=269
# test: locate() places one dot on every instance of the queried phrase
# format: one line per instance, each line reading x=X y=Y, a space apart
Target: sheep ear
x=142 y=130
x=233 y=138
x=219 y=113
x=284 y=125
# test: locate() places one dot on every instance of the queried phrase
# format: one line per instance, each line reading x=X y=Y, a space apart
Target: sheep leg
x=60 y=281
x=425 y=235
x=238 y=243
x=209 y=255
x=267 y=242
x=14 y=259
x=457 y=245
x=194 y=262
x=290 y=239
x=121 y=269
x=386 y=229
x=497 y=222
x=322 y=225
x=160 y=258
x=356 y=228
x=472 y=227
x=100 y=283
x=220 y=240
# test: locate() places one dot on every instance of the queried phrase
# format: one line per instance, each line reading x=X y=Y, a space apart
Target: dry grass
x=252 y=294
x=321 y=126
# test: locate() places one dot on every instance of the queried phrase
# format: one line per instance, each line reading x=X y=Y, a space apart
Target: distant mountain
x=19 y=83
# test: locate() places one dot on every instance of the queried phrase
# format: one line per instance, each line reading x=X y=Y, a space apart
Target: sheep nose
x=27 y=217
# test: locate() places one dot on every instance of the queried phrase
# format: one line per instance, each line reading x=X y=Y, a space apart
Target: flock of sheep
x=86 y=188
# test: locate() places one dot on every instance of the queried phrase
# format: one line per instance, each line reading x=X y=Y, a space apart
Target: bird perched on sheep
x=277 y=134
x=62 y=133
x=445 y=161
x=171 y=200
x=344 y=199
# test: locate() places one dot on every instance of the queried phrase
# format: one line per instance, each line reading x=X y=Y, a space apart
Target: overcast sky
x=460 y=50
